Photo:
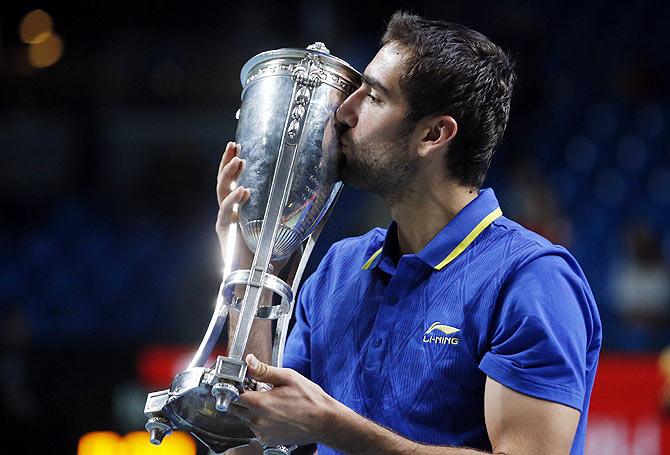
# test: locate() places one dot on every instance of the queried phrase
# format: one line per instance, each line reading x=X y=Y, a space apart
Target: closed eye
x=373 y=98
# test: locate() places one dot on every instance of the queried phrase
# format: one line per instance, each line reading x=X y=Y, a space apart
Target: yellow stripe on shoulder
x=483 y=224
x=369 y=262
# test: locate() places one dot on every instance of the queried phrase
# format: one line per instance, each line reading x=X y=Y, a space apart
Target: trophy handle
x=213 y=331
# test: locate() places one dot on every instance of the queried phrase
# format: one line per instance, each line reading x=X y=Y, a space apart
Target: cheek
x=374 y=122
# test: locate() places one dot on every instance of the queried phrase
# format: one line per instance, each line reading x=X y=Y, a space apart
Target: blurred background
x=113 y=119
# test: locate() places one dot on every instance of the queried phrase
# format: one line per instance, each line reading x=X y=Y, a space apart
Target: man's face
x=376 y=139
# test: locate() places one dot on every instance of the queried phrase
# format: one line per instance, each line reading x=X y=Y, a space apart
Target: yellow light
x=664 y=362
x=36 y=27
x=135 y=443
x=99 y=443
x=176 y=443
x=47 y=52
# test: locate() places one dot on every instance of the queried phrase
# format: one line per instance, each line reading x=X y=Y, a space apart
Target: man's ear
x=437 y=133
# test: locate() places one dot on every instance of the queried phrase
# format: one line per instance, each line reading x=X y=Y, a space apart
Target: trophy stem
x=254 y=288
x=279 y=192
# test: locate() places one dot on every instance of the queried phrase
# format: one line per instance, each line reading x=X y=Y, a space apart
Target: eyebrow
x=375 y=84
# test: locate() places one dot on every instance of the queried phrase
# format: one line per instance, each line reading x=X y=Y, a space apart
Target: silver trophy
x=286 y=129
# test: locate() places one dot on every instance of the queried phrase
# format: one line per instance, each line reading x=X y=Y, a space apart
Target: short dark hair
x=456 y=71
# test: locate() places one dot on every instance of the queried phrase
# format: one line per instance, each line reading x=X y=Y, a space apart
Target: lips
x=342 y=144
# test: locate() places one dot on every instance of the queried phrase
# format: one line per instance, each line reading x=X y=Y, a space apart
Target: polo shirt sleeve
x=297 y=353
x=540 y=331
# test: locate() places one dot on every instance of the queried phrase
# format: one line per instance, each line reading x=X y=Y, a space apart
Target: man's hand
x=230 y=200
x=229 y=170
x=293 y=412
x=297 y=411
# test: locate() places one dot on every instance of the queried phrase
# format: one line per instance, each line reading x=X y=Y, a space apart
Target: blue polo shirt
x=409 y=341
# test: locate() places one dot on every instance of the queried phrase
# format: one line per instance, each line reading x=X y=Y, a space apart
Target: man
x=456 y=330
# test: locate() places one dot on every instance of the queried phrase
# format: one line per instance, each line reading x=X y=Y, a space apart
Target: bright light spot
x=99 y=443
x=135 y=443
x=36 y=27
x=230 y=250
x=231 y=240
x=176 y=443
x=46 y=53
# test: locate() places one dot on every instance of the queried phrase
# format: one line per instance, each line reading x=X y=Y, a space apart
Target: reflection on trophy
x=287 y=135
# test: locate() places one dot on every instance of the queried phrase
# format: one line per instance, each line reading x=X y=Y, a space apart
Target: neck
x=425 y=211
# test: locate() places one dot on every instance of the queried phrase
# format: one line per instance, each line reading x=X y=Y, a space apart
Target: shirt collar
x=453 y=239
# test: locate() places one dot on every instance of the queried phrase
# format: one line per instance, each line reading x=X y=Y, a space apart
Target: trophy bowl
x=275 y=110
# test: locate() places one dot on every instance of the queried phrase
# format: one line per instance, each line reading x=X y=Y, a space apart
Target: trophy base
x=190 y=406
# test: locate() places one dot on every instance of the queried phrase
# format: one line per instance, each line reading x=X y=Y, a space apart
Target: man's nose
x=346 y=113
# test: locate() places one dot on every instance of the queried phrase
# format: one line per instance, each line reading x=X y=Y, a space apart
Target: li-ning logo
x=446 y=329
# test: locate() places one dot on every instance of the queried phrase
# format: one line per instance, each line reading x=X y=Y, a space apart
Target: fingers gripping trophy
x=276 y=188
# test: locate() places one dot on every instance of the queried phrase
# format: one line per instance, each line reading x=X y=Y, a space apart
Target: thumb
x=266 y=373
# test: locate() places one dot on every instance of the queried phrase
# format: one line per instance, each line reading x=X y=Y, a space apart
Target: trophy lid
x=282 y=61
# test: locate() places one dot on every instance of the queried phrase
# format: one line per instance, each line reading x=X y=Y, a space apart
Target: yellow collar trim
x=372 y=259
x=483 y=224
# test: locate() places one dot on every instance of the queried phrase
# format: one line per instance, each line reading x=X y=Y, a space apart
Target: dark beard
x=391 y=179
